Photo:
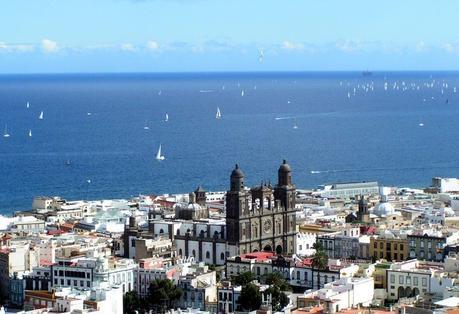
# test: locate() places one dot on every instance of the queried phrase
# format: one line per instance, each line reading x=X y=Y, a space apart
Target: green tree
x=250 y=298
x=319 y=261
x=278 y=284
x=278 y=298
x=131 y=302
x=243 y=278
x=163 y=295
x=276 y=279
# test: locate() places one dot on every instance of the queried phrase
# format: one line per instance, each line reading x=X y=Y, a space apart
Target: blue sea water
x=373 y=135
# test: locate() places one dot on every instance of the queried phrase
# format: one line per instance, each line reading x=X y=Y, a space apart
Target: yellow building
x=389 y=248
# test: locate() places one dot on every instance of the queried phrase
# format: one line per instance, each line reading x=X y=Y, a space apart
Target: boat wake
x=283 y=118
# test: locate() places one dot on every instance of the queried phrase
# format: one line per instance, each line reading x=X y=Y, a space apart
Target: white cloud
x=128 y=47
x=153 y=45
x=451 y=47
x=4 y=47
x=197 y=49
x=420 y=46
x=49 y=46
x=348 y=45
x=288 y=45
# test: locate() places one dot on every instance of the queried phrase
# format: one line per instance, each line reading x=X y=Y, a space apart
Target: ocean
x=401 y=136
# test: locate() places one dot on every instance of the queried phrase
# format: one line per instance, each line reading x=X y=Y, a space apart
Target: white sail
x=6 y=134
x=295 y=126
x=30 y=133
x=166 y=118
x=158 y=154
x=242 y=93
x=27 y=105
x=40 y=116
x=218 y=115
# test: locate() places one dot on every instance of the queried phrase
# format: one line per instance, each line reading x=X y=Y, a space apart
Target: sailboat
x=6 y=134
x=295 y=126
x=27 y=105
x=158 y=154
x=218 y=115
x=30 y=133
x=242 y=93
x=166 y=118
x=40 y=117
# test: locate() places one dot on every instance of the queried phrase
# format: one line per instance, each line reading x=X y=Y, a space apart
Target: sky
x=67 y=36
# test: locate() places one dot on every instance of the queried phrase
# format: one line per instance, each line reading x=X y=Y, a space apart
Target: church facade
x=262 y=218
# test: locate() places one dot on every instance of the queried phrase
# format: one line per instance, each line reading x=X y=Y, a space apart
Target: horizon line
x=227 y=72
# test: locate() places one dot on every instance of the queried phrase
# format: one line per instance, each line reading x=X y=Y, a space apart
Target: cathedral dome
x=285 y=167
x=384 y=209
x=237 y=172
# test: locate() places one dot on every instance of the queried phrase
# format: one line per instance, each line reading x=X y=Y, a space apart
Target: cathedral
x=262 y=218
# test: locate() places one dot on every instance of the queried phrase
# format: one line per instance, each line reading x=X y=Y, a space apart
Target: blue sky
x=43 y=36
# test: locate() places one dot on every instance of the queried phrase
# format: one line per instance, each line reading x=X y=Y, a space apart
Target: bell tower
x=235 y=204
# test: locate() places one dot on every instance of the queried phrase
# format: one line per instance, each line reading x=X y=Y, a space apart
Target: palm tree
x=319 y=261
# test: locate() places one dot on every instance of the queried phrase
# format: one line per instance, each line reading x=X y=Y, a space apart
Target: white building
x=446 y=184
x=305 y=243
x=83 y=272
x=344 y=293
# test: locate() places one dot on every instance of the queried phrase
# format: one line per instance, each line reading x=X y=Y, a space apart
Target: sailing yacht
x=242 y=93
x=158 y=154
x=6 y=134
x=30 y=133
x=27 y=105
x=218 y=115
x=295 y=126
x=166 y=118
x=40 y=117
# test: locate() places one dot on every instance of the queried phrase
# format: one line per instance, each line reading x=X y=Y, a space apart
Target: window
x=422 y=244
x=62 y=282
x=222 y=256
x=207 y=254
x=381 y=245
x=68 y=282
x=133 y=242
x=194 y=253
x=424 y=282
x=392 y=278
x=400 y=279
x=429 y=245
x=408 y=280
x=375 y=245
x=88 y=284
x=415 y=281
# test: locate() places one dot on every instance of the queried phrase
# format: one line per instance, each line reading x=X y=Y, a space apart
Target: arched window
x=222 y=256
x=194 y=253
x=178 y=231
x=266 y=203
x=161 y=231
x=180 y=252
x=207 y=254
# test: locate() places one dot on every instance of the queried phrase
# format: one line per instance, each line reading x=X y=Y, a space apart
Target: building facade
x=262 y=218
